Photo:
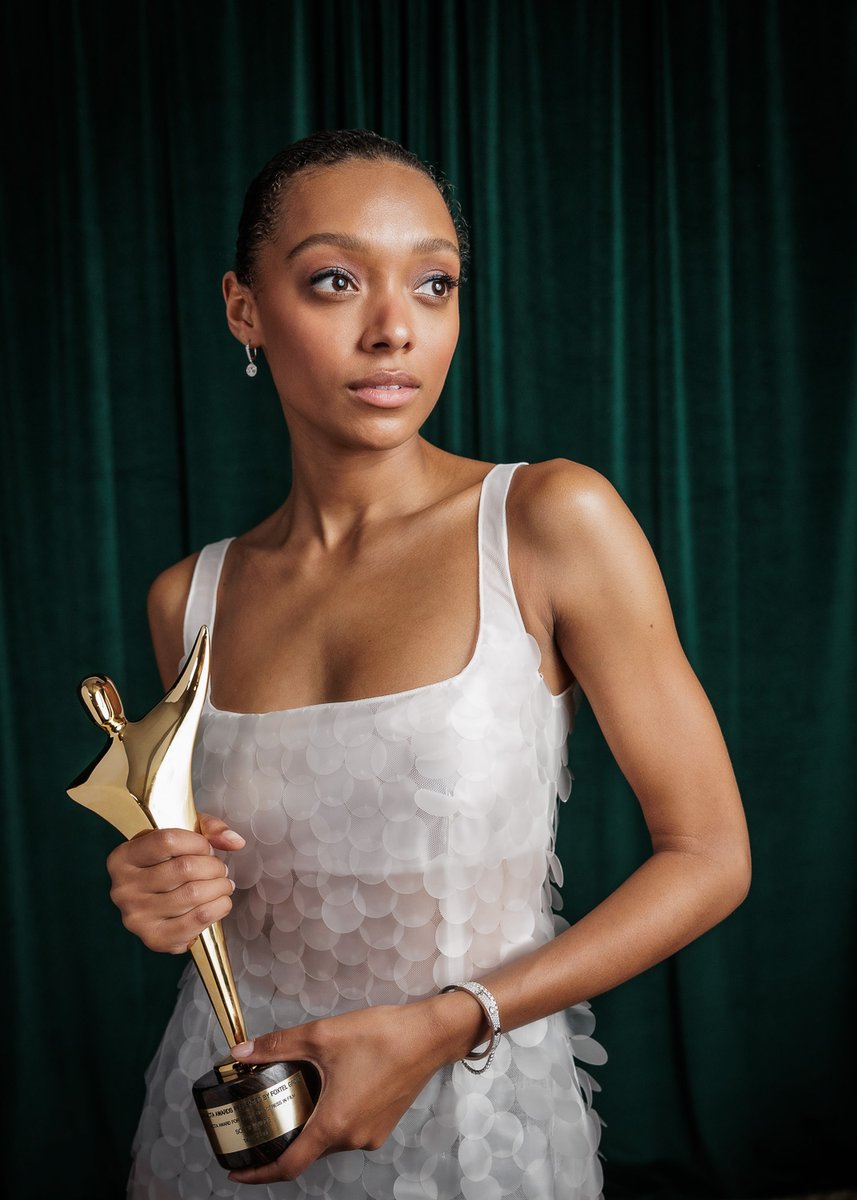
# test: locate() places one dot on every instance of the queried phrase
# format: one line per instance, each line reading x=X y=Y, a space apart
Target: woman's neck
x=336 y=493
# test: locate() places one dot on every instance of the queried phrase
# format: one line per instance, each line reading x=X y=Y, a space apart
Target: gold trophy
x=142 y=781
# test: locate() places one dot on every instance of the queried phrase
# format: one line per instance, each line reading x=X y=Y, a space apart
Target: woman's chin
x=365 y=426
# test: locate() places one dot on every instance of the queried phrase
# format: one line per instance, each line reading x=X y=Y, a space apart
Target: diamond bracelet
x=489 y=1005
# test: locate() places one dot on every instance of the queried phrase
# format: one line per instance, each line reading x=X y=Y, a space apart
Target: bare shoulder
x=557 y=500
x=578 y=545
x=165 y=605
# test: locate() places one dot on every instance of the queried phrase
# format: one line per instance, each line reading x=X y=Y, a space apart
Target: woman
x=397 y=653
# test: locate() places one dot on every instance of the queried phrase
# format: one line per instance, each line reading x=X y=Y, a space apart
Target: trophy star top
x=141 y=780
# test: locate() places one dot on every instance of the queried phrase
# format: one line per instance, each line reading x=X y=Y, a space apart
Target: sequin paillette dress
x=394 y=844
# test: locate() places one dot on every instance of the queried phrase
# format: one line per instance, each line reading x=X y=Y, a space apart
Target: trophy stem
x=212 y=961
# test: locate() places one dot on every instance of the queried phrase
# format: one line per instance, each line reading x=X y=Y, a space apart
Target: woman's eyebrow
x=426 y=245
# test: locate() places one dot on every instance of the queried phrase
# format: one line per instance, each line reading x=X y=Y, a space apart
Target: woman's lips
x=385 y=397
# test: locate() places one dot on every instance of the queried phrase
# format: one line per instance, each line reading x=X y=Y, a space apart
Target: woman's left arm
x=611 y=621
x=614 y=627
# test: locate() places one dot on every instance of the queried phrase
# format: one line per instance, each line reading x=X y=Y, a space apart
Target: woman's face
x=361 y=280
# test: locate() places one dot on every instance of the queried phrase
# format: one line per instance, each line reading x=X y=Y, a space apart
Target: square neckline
x=407 y=693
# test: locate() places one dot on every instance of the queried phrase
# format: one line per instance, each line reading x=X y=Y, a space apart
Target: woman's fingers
x=168 y=891
x=174 y=934
x=195 y=896
x=283 y=1045
x=373 y=1063
x=219 y=834
x=296 y=1044
x=169 y=884
x=159 y=845
x=176 y=873
x=312 y=1142
x=170 y=922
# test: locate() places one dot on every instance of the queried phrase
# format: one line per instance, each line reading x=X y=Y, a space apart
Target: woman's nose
x=388 y=325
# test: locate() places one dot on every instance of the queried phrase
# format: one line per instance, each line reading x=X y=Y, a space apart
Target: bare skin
x=344 y=592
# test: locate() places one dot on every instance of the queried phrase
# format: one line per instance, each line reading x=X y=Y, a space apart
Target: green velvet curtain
x=662 y=203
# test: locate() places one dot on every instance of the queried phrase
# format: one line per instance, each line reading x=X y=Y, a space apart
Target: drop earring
x=251 y=367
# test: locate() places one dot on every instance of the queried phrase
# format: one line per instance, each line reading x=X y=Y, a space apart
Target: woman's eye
x=335 y=277
x=440 y=286
x=336 y=281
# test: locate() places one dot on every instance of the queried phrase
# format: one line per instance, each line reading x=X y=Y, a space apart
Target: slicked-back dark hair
x=262 y=212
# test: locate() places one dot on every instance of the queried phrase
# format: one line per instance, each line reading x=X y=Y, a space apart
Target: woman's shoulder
x=553 y=500
x=169 y=589
x=574 y=536
x=165 y=607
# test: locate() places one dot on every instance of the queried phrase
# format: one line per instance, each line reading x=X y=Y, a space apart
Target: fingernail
x=234 y=839
x=242 y=1050
x=232 y=881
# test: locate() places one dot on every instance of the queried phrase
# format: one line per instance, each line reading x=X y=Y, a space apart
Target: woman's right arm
x=168 y=884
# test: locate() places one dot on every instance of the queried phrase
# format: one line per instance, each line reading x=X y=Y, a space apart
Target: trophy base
x=252 y=1112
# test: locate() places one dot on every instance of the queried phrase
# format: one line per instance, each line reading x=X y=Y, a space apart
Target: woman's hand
x=373 y=1064
x=169 y=885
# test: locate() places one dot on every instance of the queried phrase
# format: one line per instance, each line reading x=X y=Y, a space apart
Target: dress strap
x=202 y=597
x=500 y=604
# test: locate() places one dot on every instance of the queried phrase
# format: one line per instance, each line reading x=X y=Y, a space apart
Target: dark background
x=661 y=198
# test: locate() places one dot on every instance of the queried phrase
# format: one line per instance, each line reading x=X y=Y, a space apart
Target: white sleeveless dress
x=394 y=844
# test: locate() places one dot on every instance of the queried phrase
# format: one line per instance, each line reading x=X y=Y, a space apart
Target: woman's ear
x=241 y=315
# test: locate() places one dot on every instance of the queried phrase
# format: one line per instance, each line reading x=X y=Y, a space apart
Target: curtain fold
x=661 y=197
